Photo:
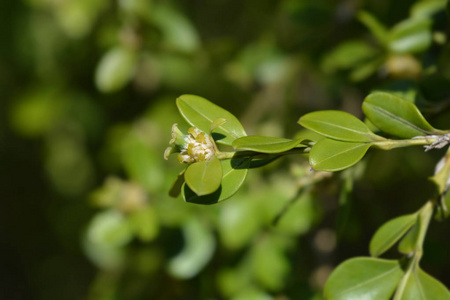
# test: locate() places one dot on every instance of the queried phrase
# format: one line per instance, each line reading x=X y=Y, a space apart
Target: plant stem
x=424 y=218
x=391 y=144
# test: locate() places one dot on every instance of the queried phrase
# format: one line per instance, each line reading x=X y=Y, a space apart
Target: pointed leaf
x=265 y=144
x=421 y=286
x=331 y=155
x=388 y=234
x=204 y=177
x=363 y=278
x=408 y=243
x=201 y=113
x=234 y=174
x=338 y=125
x=395 y=115
x=411 y=36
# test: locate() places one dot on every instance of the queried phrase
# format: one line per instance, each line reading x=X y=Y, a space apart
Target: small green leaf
x=234 y=174
x=442 y=175
x=331 y=155
x=363 y=278
x=204 y=177
x=396 y=116
x=422 y=286
x=378 y=30
x=411 y=36
x=338 y=125
x=388 y=234
x=408 y=243
x=265 y=144
x=201 y=113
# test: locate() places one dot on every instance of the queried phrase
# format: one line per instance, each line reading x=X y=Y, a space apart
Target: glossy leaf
x=265 y=144
x=201 y=113
x=331 y=155
x=338 y=125
x=204 y=177
x=421 y=286
x=378 y=30
x=411 y=36
x=395 y=115
x=234 y=174
x=363 y=278
x=408 y=243
x=388 y=234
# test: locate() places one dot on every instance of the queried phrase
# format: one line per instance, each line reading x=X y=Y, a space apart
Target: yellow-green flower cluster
x=194 y=147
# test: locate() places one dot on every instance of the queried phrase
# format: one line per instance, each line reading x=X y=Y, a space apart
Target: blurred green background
x=87 y=101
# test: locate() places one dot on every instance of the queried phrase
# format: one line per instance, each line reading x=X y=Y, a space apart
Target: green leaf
x=204 y=177
x=378 y=30
x=201 y=113
x=338 y=125
x=363 y=278
x=234 y=174
x=396 y=116
x=115 y=70
x=408 y=243
x=265 y=144
x=411 y=36
x=388 y=234
x=421 y=286
x=331 y=155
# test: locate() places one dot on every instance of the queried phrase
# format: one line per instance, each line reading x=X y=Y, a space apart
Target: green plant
x=342 y=141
